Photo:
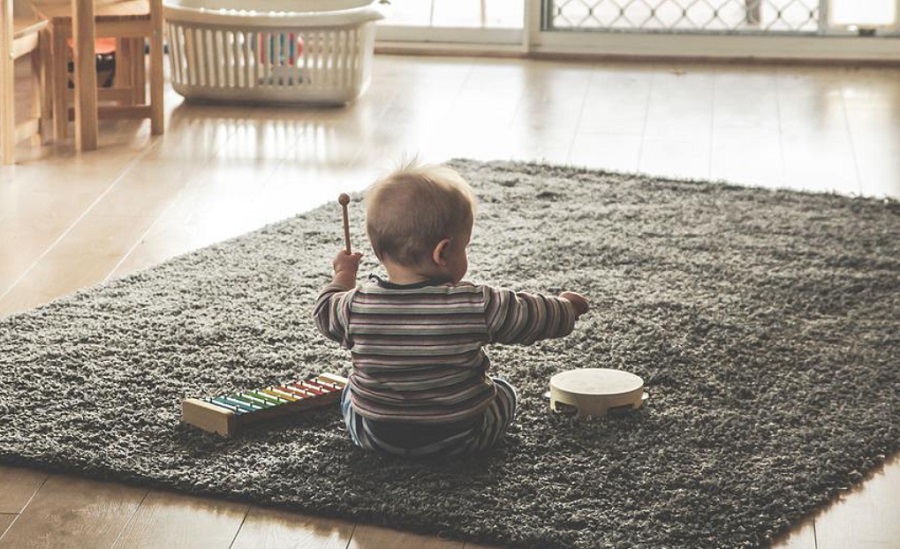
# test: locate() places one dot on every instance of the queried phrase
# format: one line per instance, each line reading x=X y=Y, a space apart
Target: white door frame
x=635 y=44
x=532 y=41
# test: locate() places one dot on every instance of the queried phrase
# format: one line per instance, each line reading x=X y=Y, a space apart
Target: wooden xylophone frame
x=229 y=414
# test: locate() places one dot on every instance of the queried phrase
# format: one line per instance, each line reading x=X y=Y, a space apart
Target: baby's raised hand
x=580 y=303
x=345 y=268
x=344 y=262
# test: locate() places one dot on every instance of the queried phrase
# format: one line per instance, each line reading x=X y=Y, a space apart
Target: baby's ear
x=439 y=254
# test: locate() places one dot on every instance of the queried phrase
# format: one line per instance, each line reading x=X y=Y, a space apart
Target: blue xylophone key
x=254 y=400
x=244 y=405
x=219 y=401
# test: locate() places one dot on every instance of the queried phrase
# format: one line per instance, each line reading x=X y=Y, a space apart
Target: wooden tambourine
x=595 y=391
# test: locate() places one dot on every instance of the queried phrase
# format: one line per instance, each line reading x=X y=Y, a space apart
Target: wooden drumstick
x=343 y=200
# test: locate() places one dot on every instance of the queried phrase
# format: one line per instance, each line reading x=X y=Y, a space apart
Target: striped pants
x=479 y=438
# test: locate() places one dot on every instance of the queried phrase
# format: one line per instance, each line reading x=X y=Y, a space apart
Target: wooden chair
x=131 y=23
x=21 y=37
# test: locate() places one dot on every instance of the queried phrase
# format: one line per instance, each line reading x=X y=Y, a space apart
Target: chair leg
x=123 y=78
x=138 y=71
x=129 y=69
x=8 y=109
x=84 y=33
x=45 y=87
x=156 y=84
x=59 y=59
x=34 y=60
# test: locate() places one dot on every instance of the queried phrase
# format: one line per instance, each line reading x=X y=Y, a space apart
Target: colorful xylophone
x=228 y=414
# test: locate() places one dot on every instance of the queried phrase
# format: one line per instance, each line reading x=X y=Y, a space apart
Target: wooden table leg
x=84 y=34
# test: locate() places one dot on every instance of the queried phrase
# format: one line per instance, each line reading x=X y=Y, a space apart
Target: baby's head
x=414 y=209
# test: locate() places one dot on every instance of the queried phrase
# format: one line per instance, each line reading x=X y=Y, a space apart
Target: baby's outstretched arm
x=524 y=317
x=581 y=304
x=346 y=266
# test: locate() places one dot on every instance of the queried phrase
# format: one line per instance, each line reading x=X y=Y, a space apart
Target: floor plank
x=73 y=513
x=801 y=537
x=18 y=487
x=375 y=537
x=273 y=529
x=865 y=517
x=172 y=521
x=5 y=521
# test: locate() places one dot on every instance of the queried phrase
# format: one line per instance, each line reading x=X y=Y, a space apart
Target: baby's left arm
x=523 y=317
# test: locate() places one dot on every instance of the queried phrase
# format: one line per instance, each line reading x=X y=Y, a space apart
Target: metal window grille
x=703 y=16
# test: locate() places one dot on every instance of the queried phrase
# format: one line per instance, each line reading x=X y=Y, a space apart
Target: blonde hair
x=412 y=209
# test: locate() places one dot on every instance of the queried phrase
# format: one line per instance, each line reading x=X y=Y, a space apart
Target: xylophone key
x=219 y=401
x=307 y=387
x=256 y=400
x=247 y=407
x=300 y=386
x=319 y=385
x=300 y=393
x=248 y=401
x=266 y=398
x=279 y=394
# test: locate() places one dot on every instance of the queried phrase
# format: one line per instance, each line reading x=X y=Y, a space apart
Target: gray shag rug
x=766 y=325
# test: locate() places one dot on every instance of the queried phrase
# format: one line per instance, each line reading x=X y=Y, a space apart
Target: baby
x=419 y=386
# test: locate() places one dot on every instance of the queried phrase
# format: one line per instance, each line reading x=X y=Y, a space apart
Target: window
x=770 y=29
x=498 y=22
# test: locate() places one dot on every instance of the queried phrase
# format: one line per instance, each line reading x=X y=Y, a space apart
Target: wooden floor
x=70 y=221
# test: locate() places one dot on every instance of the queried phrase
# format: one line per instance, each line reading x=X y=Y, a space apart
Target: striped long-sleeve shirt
x=417 y=349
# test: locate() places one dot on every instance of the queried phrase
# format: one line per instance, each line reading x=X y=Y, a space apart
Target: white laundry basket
x=271 y=51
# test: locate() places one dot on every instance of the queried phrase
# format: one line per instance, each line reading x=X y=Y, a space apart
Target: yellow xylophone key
x=279 y=394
